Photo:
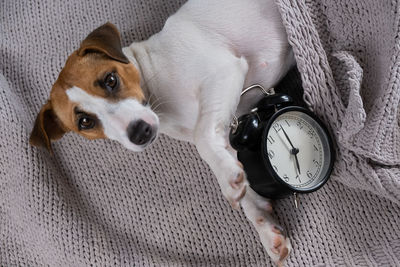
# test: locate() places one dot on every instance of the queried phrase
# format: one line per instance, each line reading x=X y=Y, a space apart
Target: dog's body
x=192 y=73
x=239 y=42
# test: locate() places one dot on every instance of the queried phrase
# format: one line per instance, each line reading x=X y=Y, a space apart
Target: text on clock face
x=295 y=150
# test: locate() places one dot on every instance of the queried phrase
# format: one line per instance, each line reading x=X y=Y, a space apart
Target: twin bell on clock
x=285 y=149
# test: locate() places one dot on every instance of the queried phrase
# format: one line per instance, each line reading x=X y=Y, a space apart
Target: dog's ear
x=47 y=128
x=105 y=39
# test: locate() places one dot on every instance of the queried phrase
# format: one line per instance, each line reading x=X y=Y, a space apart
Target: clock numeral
x=286 y=178
x=275 y=168
x=316 y=162
x=287 y=123
x=310 y=133
x=309 y=174
x=315 y=148
x=271 y=140
x=277 y=127
x=299 y=125
x=298 y=177
x=271 y=154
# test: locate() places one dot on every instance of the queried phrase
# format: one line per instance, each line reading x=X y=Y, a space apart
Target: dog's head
x=97 y=95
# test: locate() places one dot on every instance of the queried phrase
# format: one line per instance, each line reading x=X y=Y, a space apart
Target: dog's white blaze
x=114 y=116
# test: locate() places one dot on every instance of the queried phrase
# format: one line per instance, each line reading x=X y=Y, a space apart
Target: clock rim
x=268 y=165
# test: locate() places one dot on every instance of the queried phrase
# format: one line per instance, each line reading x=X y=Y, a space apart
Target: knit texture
x=94 y=203
x=348 y=54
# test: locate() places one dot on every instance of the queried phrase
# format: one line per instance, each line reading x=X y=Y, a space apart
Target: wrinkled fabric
x=348 y=54
x=95 y=203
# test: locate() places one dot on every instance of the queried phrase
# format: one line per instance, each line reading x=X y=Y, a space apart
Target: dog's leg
x=219 y=97
x=274 y=239
x=258 y=210
x=218 y=101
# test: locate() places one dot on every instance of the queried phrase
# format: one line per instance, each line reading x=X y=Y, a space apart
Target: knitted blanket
x=95 y=203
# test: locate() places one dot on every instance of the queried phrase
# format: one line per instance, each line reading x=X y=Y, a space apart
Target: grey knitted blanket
x=95 y=203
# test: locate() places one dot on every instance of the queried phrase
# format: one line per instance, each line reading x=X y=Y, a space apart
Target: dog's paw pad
x=234 y=200
x=275 y=241
x=260 y=220
x=238 y=181
x=279 y=245
x=267 y=206
x=233 y=183
x=278 y=230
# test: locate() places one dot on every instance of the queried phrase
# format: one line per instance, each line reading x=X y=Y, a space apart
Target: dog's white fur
x=193 y=71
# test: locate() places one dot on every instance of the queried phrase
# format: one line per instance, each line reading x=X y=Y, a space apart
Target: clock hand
x=290 y=142
x=297 y=163
x=294 y=150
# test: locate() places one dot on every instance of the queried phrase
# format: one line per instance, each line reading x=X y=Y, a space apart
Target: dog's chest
x=178 y=117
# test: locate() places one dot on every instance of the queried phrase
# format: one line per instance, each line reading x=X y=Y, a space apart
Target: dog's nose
x=140 y=132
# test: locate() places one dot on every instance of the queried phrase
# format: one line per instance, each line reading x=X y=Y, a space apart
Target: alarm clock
x=285 y=149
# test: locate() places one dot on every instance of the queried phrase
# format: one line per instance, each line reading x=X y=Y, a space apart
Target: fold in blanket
x=348 y=54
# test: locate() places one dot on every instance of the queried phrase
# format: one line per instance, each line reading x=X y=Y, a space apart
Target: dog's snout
x=140 y=132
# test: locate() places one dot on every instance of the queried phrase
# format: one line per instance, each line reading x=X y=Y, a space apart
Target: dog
x=184 y=81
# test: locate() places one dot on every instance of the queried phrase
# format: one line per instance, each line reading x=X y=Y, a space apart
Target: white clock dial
x=297 y=149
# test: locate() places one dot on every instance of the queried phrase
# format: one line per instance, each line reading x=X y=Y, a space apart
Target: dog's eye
x=111 y=81
x=86 y=123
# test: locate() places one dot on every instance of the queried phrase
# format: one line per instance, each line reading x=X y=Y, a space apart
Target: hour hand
x=297 y=162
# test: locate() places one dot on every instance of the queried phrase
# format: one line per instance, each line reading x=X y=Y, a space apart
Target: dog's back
x=251 y=29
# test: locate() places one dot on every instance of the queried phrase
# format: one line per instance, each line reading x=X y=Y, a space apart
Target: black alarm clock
x=285 y=149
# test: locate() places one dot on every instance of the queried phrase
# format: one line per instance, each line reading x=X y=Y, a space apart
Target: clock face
x=298 y=150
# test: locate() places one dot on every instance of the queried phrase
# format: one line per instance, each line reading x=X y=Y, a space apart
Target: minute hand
x=294 y=150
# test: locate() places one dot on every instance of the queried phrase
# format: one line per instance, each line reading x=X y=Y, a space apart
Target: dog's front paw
x=234 y=185
x=274 y=240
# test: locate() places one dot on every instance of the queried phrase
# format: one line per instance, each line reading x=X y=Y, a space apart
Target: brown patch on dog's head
x=98 y=61
x=106 y=40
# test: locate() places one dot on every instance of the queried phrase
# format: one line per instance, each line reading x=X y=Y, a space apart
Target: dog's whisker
x=155 y=103
x=149 y=99
x=163 y=103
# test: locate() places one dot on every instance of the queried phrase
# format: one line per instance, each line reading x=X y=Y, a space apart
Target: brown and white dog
x=185 y=81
